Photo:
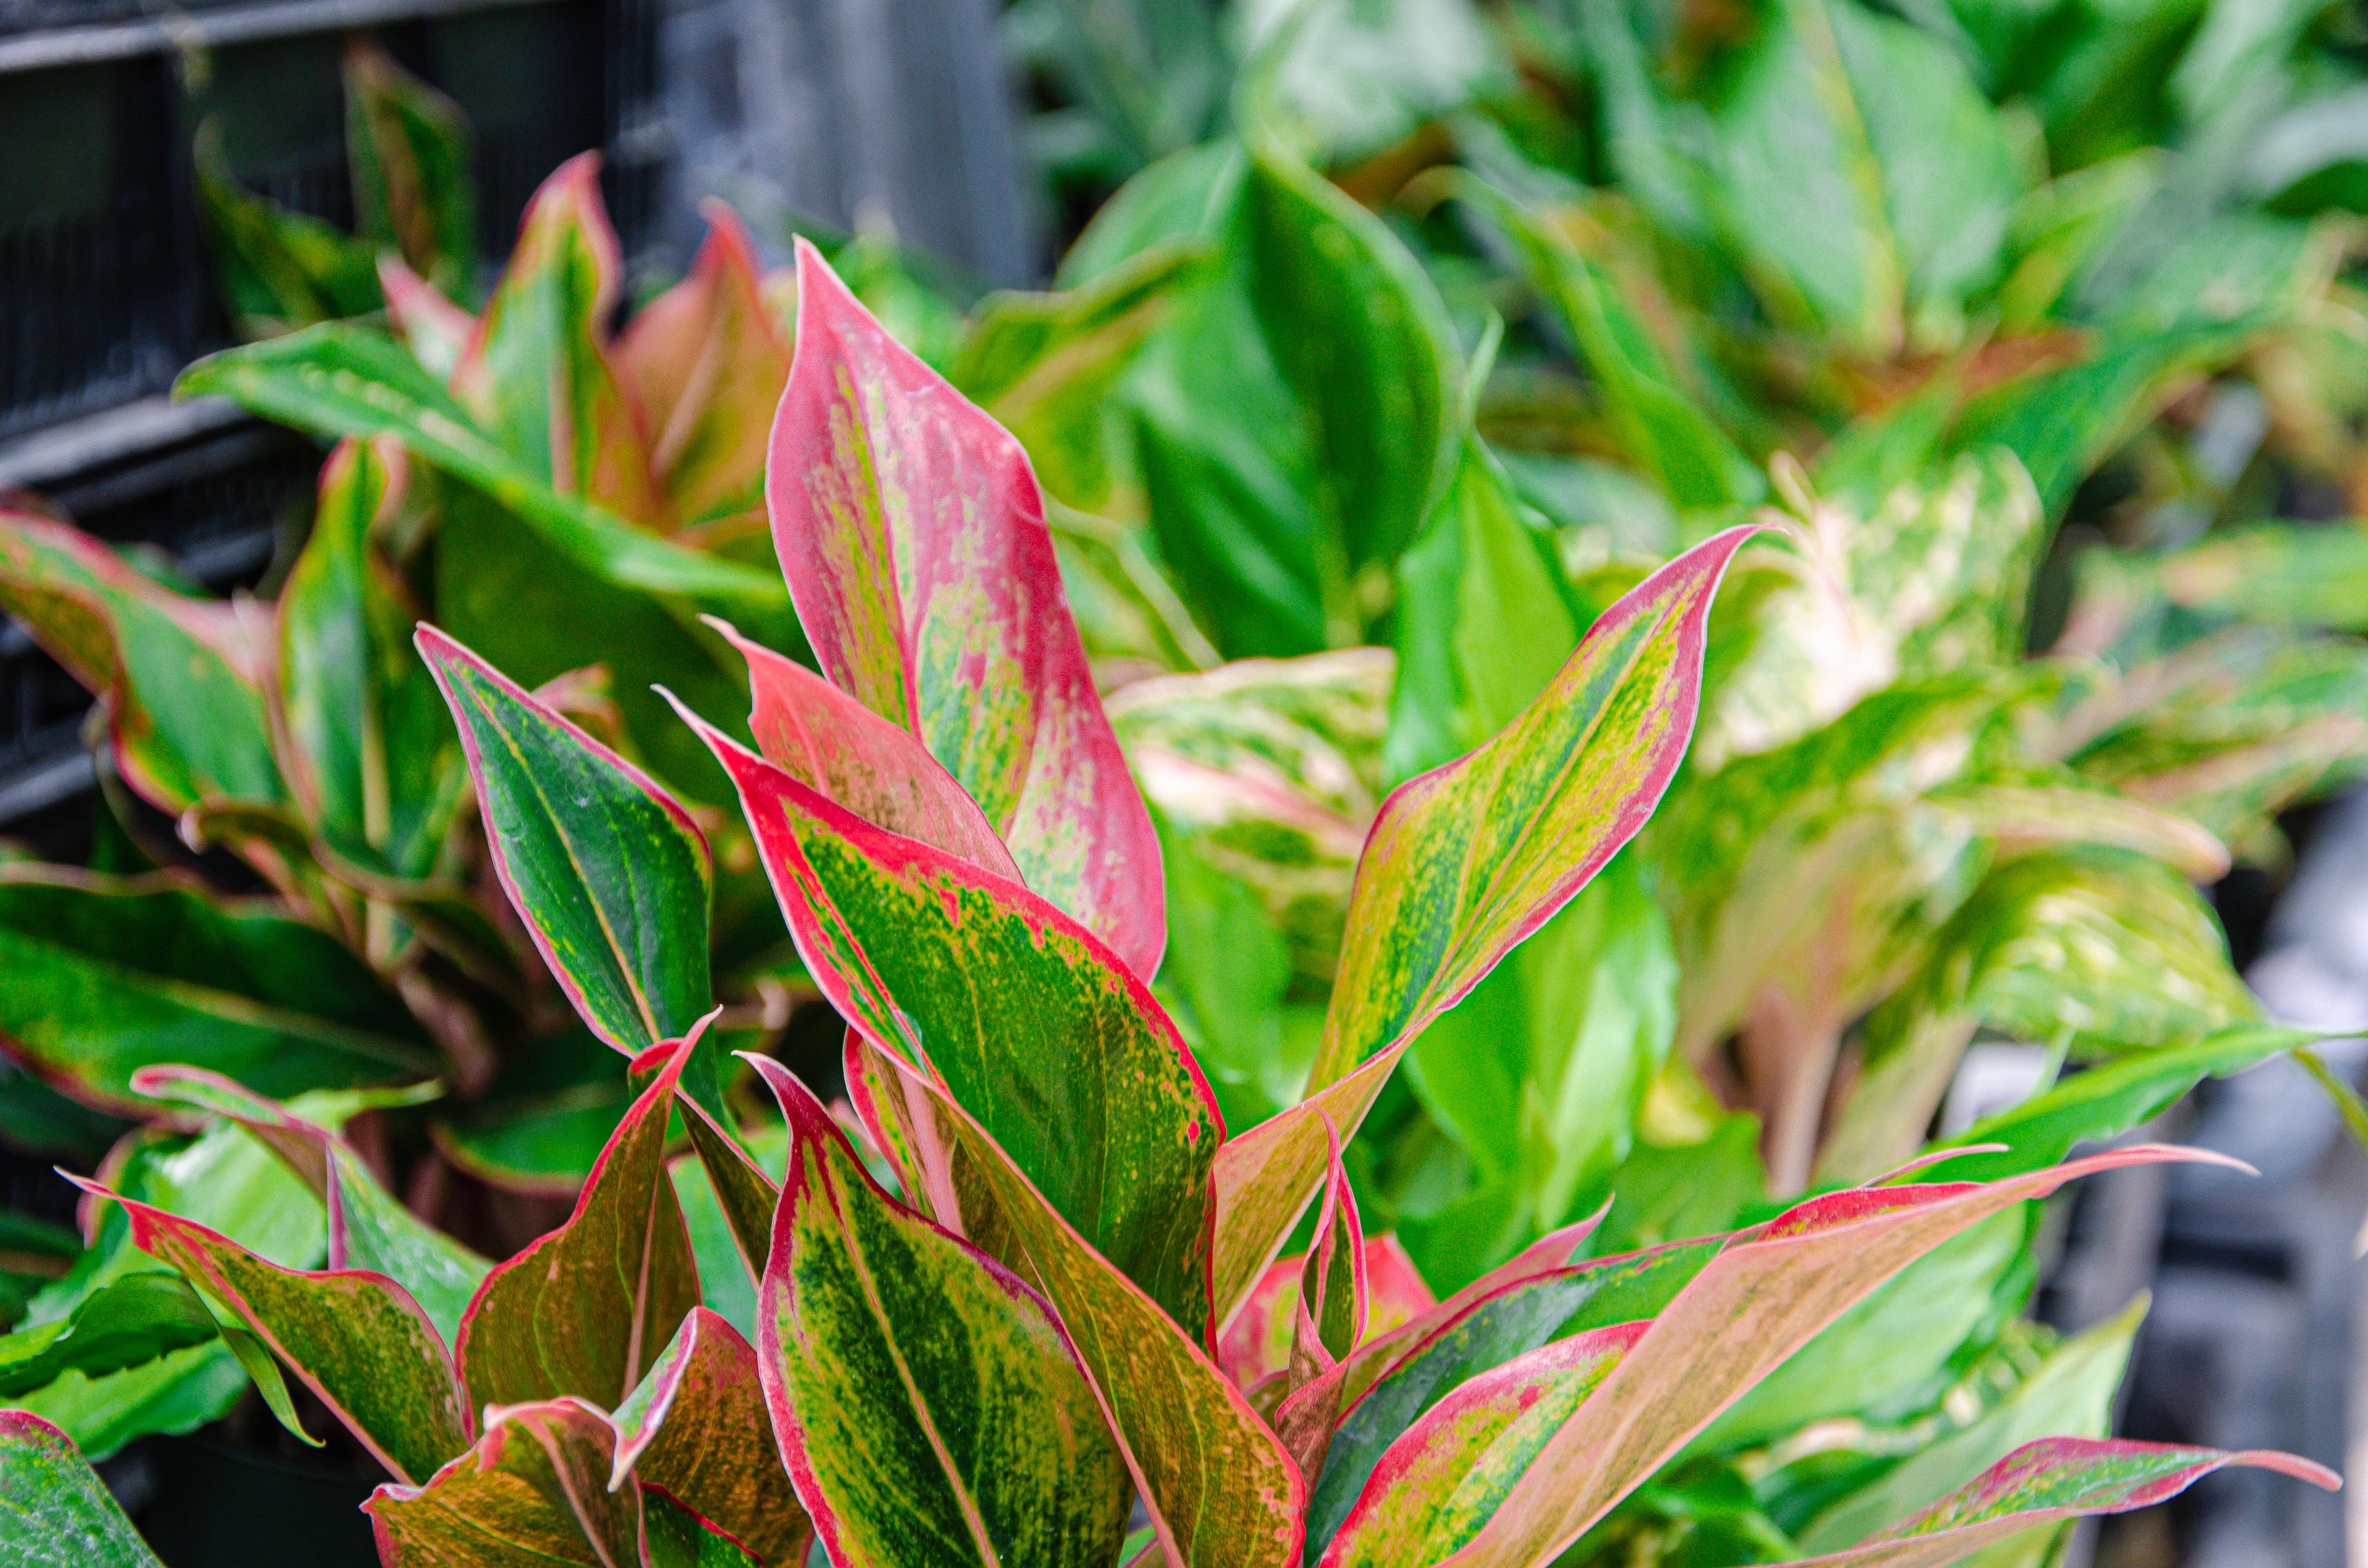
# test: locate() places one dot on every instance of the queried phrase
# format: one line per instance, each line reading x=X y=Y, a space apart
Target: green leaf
x=913 y=537
x=277 y=270
x=54 y=1513
x=371 y=756
x=928 y=1403
x=1580 y=770
x=412 y=165
x=611 y=876
x=130 y=1321
x=589 y=1308
x=1355 y=78
x=356 y=1339
x=2297 y=574
x=1219 y=1487
x=1361 y=337
x=2069 y=1395
x=543 y=1121
x=338 y=380
x=1032 y=1023
x=110 y=975
x=696 y=1429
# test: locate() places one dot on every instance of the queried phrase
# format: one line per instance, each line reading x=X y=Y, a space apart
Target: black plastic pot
x=217 y=1506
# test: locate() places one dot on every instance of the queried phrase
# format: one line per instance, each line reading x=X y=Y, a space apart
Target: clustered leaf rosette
x=1072 y=1300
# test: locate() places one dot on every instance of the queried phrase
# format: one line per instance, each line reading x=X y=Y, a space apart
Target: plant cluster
x=991 y=1359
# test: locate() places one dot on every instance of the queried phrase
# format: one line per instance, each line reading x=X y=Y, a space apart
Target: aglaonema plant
x=1028 y=1328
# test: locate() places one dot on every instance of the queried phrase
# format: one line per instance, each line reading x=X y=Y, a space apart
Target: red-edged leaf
x=1451 y=1470
x=1467 y=860
x=1219 y=1487
x=913 y=537
x=824 y=738
x=609 y=874
x=929 y=1408
x=368 y=1227
x=1749 y=1308
x=586 y=1310
x=58 y=1513
x=1033 y=1025
x=356 y=1338
x=533 y=1489
x=709 y=365
x=698 y=1429
x=2054 y=1479
x=1257 y=1344
x=437 y=330
x=1328 y=1319
x=536 y=373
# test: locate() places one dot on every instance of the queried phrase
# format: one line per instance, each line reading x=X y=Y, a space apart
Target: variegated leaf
x=534 y=1488
x=697 y=1428
x=54 y=1511
x=1464 y=862
x=929 y=1405
x=1031 y=1022
x=913 y=537
x=588 y=1309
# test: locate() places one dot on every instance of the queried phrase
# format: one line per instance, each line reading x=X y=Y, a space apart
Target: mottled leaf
x=1035 y=1027
x=534 y=1488
x=54 y=1511
x=929 y=1405
x=697 y=1428
x=586 y=1310
x=913 y=537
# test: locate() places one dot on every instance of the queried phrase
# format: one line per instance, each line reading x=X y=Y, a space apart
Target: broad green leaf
x=369 y=756
x=2069 y=1395
x=1219 y=1487
x=435 y=330
x=929 y=1406
x=338 y=380
x=588 y=1309
x=542 y=1123
x=54 y=1511
x=356 y=1339
x=534 y=1487
x=368 y=1227
x=2303 y=575
x=912 y=535
x=697 y=1428
x=611 y=876
x=1578 y=770
x=1033 y=1026
x=181 y=677
x=827 y=740
x=1044 y=367
x=1357 y=78
x=132 y=1320
x=1360 y=334
x=176 y=1393
x=2056 y=1478
x=1451 y=1470
x=537 y=375
x=709 y=365
x=1756 y=1301
x=109 y=974
x=677 y=1538
x=411 y=164
x=1128 y=610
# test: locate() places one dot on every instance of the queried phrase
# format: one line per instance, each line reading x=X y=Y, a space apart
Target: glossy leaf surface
x=697 y=1428
x=913 y=537
x=534 y=1487
x=929 y=1408
x=54 y=1511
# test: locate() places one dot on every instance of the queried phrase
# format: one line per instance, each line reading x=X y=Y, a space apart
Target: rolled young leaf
x=1031 y=1022
x=1465 y=861
x=928 y=1406
x=54 y=1511
x=913 y=537
x=356 y=1338
x=534 y=1487
x=2053 y=1479
x=586 y=1310
x=611 y=876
